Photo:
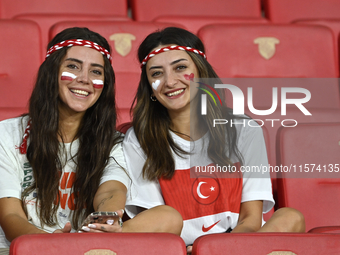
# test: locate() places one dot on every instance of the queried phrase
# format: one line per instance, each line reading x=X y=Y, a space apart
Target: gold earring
x=153 y=98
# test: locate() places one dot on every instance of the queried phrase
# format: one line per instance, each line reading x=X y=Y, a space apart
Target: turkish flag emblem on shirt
x=198 y=197
x=205 y=190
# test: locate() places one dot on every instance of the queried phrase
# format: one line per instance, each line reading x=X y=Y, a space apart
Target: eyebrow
x=81 y=62
x=172 y=63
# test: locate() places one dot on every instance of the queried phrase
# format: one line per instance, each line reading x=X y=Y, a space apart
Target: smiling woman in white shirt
x=64 y=159
x=169 y=137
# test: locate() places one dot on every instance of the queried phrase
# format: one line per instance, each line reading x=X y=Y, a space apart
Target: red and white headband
x=173 y=47
x=79 y=42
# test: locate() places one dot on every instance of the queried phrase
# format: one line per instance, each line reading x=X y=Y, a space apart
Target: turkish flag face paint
x=98 y=84
x=66 y=76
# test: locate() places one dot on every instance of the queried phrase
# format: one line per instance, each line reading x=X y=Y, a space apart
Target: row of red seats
x=11 y=8
x=277 y=11
x=148 y=10
x=169 y=244
x=239 y=50
x=191 y=23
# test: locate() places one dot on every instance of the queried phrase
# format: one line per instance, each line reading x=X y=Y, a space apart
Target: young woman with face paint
x=64 y=160
x=168 y=138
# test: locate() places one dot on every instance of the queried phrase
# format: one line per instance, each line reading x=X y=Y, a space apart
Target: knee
x=172 y=218
x=294 y=220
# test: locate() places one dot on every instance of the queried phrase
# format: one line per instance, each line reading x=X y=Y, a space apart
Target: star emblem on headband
x=173 y=47
x=79 y=42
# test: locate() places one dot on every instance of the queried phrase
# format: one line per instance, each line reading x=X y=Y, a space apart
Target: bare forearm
x=250 y=217
x=14 y=226
x=244 y=228
x=110 y=201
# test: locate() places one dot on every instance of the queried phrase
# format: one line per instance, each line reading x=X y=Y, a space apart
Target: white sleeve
x=143 y=193
x=116 y=168
x=256 y=186
x=10 y=180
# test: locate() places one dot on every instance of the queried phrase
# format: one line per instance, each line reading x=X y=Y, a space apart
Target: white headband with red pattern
x=173 y=47
x=79 y=42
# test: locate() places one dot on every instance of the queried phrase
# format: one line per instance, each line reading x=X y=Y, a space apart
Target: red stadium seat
x=324 y=92
x=47 y=20
x=324 y=106
x=279 y=11
x=329 y=229
x=333 y=24
x=11 y=8
x=124 y=38
x=7 y=113
x=123 y=128
x=277 y=51
x=20 y=54
x=98 y=244
x=194 y=23
x=277 y=120
x=267 y=244
x=270 y=51
x=312 y=186
x=147 y=10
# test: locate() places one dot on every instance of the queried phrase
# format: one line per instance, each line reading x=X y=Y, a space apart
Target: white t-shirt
x=17 y=174
x=207 y=205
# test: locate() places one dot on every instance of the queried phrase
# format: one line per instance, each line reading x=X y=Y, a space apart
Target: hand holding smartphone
x=102 y=218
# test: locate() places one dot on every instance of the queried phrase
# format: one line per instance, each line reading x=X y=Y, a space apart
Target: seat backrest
x=20 y=54
x=327 y=229
x=147 y=10
x=123 y=128
x=9 y=112
x=264 y=93
x=195 y=23
x=333 y=24
x=294 y=117
x=313 y=184
x=46 y=21
x=124 y=38
x=98 y=244
x=11 y=8
x=277 y=51
x=270 y=50
x=267 y=244
x=289 y=10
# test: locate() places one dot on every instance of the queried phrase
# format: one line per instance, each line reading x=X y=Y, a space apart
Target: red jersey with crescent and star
x=208 y=203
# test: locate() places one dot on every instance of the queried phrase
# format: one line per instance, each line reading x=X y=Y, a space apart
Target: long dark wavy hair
x=151 y=121
x=97 y=134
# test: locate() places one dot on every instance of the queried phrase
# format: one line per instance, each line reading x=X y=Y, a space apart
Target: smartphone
x=102 y=217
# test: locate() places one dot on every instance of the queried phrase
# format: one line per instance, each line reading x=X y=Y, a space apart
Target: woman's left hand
x=111 y=226
x=100 y=228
